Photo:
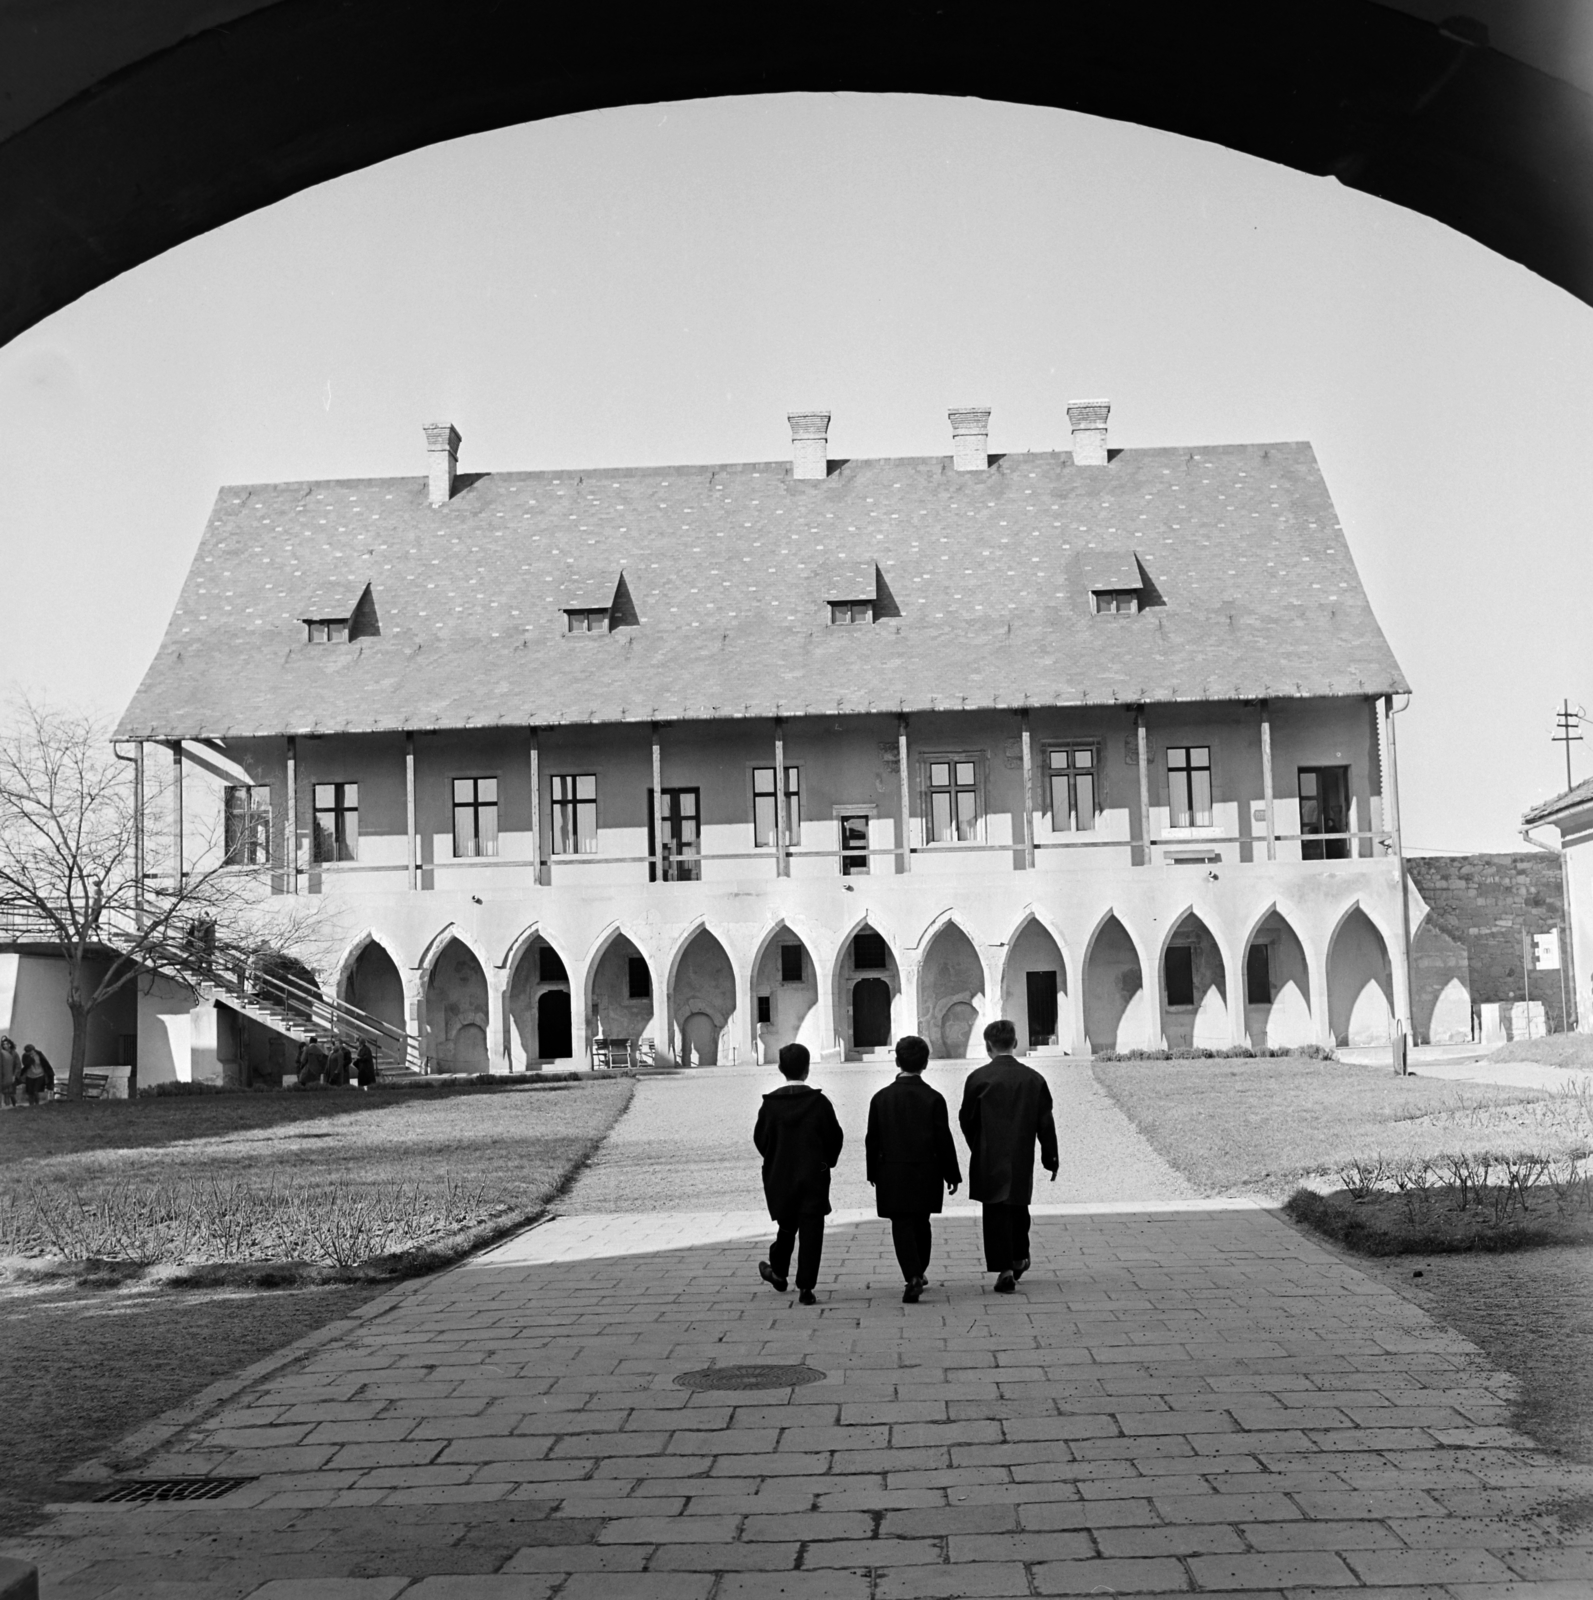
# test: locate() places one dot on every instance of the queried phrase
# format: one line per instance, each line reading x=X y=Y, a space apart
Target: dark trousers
x=1006 y=1230
x=913 y=1242
x=807 y=1235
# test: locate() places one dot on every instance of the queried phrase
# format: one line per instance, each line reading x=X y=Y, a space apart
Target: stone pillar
x=1233 y=966
x=1081 y=1038
x=497 y=1020
x=1316 y=971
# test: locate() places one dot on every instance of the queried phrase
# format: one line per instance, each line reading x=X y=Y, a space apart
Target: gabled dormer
x=330 y=618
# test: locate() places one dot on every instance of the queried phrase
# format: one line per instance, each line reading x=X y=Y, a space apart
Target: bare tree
x=69 y=835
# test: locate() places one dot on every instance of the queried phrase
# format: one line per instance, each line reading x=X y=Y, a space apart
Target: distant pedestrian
x=1006 y=1106
x=800 y=1140
x=365 y=1065
x=38 y=1076
x=912 y=1161
x=10 y=1071
x=312 y=1061
x=337 y=1065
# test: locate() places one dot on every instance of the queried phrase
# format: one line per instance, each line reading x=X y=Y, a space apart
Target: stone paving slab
x=1178 y=1401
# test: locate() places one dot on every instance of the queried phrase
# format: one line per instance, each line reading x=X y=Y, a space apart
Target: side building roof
x=723 y=576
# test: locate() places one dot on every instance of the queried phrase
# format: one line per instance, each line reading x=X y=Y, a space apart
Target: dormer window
x=1114 y=581
x=848 y=613
x=1109 y=602
x=588 y=619
x=335 y=617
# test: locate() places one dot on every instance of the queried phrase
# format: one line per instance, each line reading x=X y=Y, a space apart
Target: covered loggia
x=456 y=1009
x=1034 y=990
x=620 y=993
x=867 y=985
x=1360 y=983
x=1116 y=1013
x=1277 y=986
x=785 y=993
x=539 y=1006
x=702 y=1001
x=952 y=1009
x=1194 y=988
x=373 y=984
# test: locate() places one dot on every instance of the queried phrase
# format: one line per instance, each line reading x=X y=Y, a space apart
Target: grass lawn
x=1259 y=1126
x=1557 y=1050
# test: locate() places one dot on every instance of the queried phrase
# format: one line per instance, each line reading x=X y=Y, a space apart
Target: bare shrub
x=1362 y=1177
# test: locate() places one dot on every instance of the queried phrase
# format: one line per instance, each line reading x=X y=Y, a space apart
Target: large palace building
x=704 y=759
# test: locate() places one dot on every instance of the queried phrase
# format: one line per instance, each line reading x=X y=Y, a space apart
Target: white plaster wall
x=1034 y=950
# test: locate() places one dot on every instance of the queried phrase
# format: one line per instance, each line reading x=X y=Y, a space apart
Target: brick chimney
x=970 y=438
x=442 y=459
x=1088 y=420
x=810 y=443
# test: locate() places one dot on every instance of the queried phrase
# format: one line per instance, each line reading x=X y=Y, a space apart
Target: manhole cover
x=749 y=1377
x=148 y=1489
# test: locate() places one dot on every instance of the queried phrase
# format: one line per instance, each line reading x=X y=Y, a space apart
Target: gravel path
x=685 y=1144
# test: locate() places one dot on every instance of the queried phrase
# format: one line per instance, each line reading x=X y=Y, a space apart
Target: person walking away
x=800 y=1140
x=10 y=1071
x=1006 y=1106
x=38 y=1076
x=912 y=1161
x=312 y=1061
x=365 y=1065
x=337 y=1063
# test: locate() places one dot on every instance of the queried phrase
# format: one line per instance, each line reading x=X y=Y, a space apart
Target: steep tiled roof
x=1571 y=800
x=1249 y=586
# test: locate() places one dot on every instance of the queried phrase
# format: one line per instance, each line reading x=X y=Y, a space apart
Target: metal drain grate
x=749 y=1377
x=149 y=1489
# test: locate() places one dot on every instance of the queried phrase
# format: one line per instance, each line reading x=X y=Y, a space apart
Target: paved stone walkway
x=1178 y=1401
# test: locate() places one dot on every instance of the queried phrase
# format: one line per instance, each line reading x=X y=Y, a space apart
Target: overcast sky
x=662 y=284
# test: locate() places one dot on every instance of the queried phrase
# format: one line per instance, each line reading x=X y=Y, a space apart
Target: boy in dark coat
x=912 y=1161
x=800 y=1141
x=1006 y=1106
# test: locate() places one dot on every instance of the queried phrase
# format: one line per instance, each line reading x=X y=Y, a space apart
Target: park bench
x=95 y=1082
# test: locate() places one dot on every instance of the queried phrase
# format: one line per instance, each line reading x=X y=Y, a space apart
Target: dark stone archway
x=126 y=130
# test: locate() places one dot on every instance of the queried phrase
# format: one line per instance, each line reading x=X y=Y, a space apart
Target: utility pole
x=1526 y=980
x=1566 y=722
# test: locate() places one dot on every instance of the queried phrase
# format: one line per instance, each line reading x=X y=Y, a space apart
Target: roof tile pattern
x=1250 y=589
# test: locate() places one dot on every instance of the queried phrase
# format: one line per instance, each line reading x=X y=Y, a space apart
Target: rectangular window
x=1189 y=786
x=763 y=806
x=550 y=969
x=337 y=821
x=1258 y=975
x=868 y=952
x=574 y=813
x=641 y=980
x=1324 y=809
x=765 y=1010
x=1073 y=798
x=1111 y=602
x=332 y=631
x=1180 y=969
x=590 y=620
x=953 y=802
x=790 y=963
x=847 y=613
x=854 y=847
x=682 y=850
x=247 y=823
x=475 y=817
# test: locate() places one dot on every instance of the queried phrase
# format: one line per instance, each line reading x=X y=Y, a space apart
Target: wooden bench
x=95 y=1082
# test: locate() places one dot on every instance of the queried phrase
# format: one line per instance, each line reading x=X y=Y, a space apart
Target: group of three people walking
x=912 y=1160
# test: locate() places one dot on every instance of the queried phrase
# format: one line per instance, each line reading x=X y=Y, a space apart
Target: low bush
x=1237 y=1052
x=175 y=1090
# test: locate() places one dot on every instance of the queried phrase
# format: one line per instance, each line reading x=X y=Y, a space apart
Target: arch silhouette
x=122 y=141
x=599 y=948
x=1016 y=997
x=440 y=941
x=352 y=951
x=1108 y=1016
x=522 y=941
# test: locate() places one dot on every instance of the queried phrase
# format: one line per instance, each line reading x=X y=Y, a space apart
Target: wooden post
x=906 y=793
x=138 y=834
x=782 y=863
x=1144 y=785
x=1028 y=792
x=290 y=823
x=177 y=815
x=1266 y=782
x=1402 y=1000
x=409 y=809
x=658 y=809
x=536 y=806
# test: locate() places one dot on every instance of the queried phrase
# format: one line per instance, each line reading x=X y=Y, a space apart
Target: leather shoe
x=911 y=1293
x=767 y=1273
x=808 y=1298
x=1006 y=1284
x=1019 y=1268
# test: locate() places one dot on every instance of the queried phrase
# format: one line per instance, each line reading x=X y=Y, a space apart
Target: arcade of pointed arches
x=546 y=1002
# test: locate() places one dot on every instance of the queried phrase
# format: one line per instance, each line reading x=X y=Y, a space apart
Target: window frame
x=801 y=962
x=347 y=849
x=852 y=608
x=1114 y=606
x=587 y=614
x=250 y=835
x=1069 y=775
x=571 y=808
x=1194 y=822
x=793 y=805
x=1167 y=998
x=633 y=966
x=1265 y=946
x=326 y=625
x=928 y=789
x=475 y=806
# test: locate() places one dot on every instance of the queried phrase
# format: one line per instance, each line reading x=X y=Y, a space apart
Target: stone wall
x=1483 y=902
